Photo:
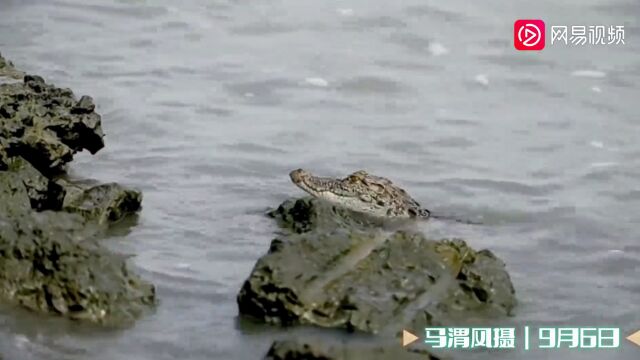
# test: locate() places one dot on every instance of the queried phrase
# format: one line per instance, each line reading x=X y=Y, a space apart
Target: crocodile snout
x=297 y=175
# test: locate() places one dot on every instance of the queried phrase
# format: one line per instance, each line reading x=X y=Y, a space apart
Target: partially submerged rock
x=357 y=282
x=308 y=214
x=41 y=128
x=49 y=260
x=43 y=267
x=315 y=349
x=103 y=203
x=291 y=350
x=369 y=280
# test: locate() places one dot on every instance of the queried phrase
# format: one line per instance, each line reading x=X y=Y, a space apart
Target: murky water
x=208 y=104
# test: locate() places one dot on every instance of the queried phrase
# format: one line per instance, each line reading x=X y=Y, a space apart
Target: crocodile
x=362 y=192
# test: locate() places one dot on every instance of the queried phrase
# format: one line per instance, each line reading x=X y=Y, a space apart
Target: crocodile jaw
x=319 y=187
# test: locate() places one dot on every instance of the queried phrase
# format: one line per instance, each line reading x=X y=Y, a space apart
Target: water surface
x=207 y=105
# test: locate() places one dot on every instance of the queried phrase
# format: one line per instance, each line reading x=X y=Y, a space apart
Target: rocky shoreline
x=331 y=269
x=50 y=258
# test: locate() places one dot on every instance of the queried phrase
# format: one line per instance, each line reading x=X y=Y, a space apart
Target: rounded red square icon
x=528 y=34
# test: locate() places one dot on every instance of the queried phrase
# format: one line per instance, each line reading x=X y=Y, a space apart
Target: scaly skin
x=363 y=193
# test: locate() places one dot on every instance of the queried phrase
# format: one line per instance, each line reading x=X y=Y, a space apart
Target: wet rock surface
x=365 y=280
x=50 y=260
x=330 y=269
x=45 y=268
x=44 y=124
x=103 y=203
x=290 y=350
x=43 y=193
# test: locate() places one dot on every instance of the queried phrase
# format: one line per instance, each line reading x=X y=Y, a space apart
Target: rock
x=368 y=280
x=306 y=214
x=45 y=125
x=84 y=106
x=332 y=268
x=41 y=128
x=50 y=260
x=14 y=199
x=103 y=203
x=293 y=350
x=45 y=268
x=316 y=349
x=297 y=216
x=43 y=193
x=8 y=70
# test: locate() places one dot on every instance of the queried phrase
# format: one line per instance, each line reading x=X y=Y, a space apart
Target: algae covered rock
x=369 y=279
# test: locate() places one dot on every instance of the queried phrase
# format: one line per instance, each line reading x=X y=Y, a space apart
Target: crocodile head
x=361 y=192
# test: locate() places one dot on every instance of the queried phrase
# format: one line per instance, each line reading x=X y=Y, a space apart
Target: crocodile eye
x=380 y=203
x=365 y=197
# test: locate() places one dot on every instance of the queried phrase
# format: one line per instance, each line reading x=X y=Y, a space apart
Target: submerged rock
x=291 y=350
x=49 y=259
x=315 y=349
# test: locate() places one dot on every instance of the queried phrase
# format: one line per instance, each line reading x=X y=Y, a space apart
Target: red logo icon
x=528 y=34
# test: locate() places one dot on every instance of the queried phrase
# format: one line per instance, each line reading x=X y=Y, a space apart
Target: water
x=208 y=105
